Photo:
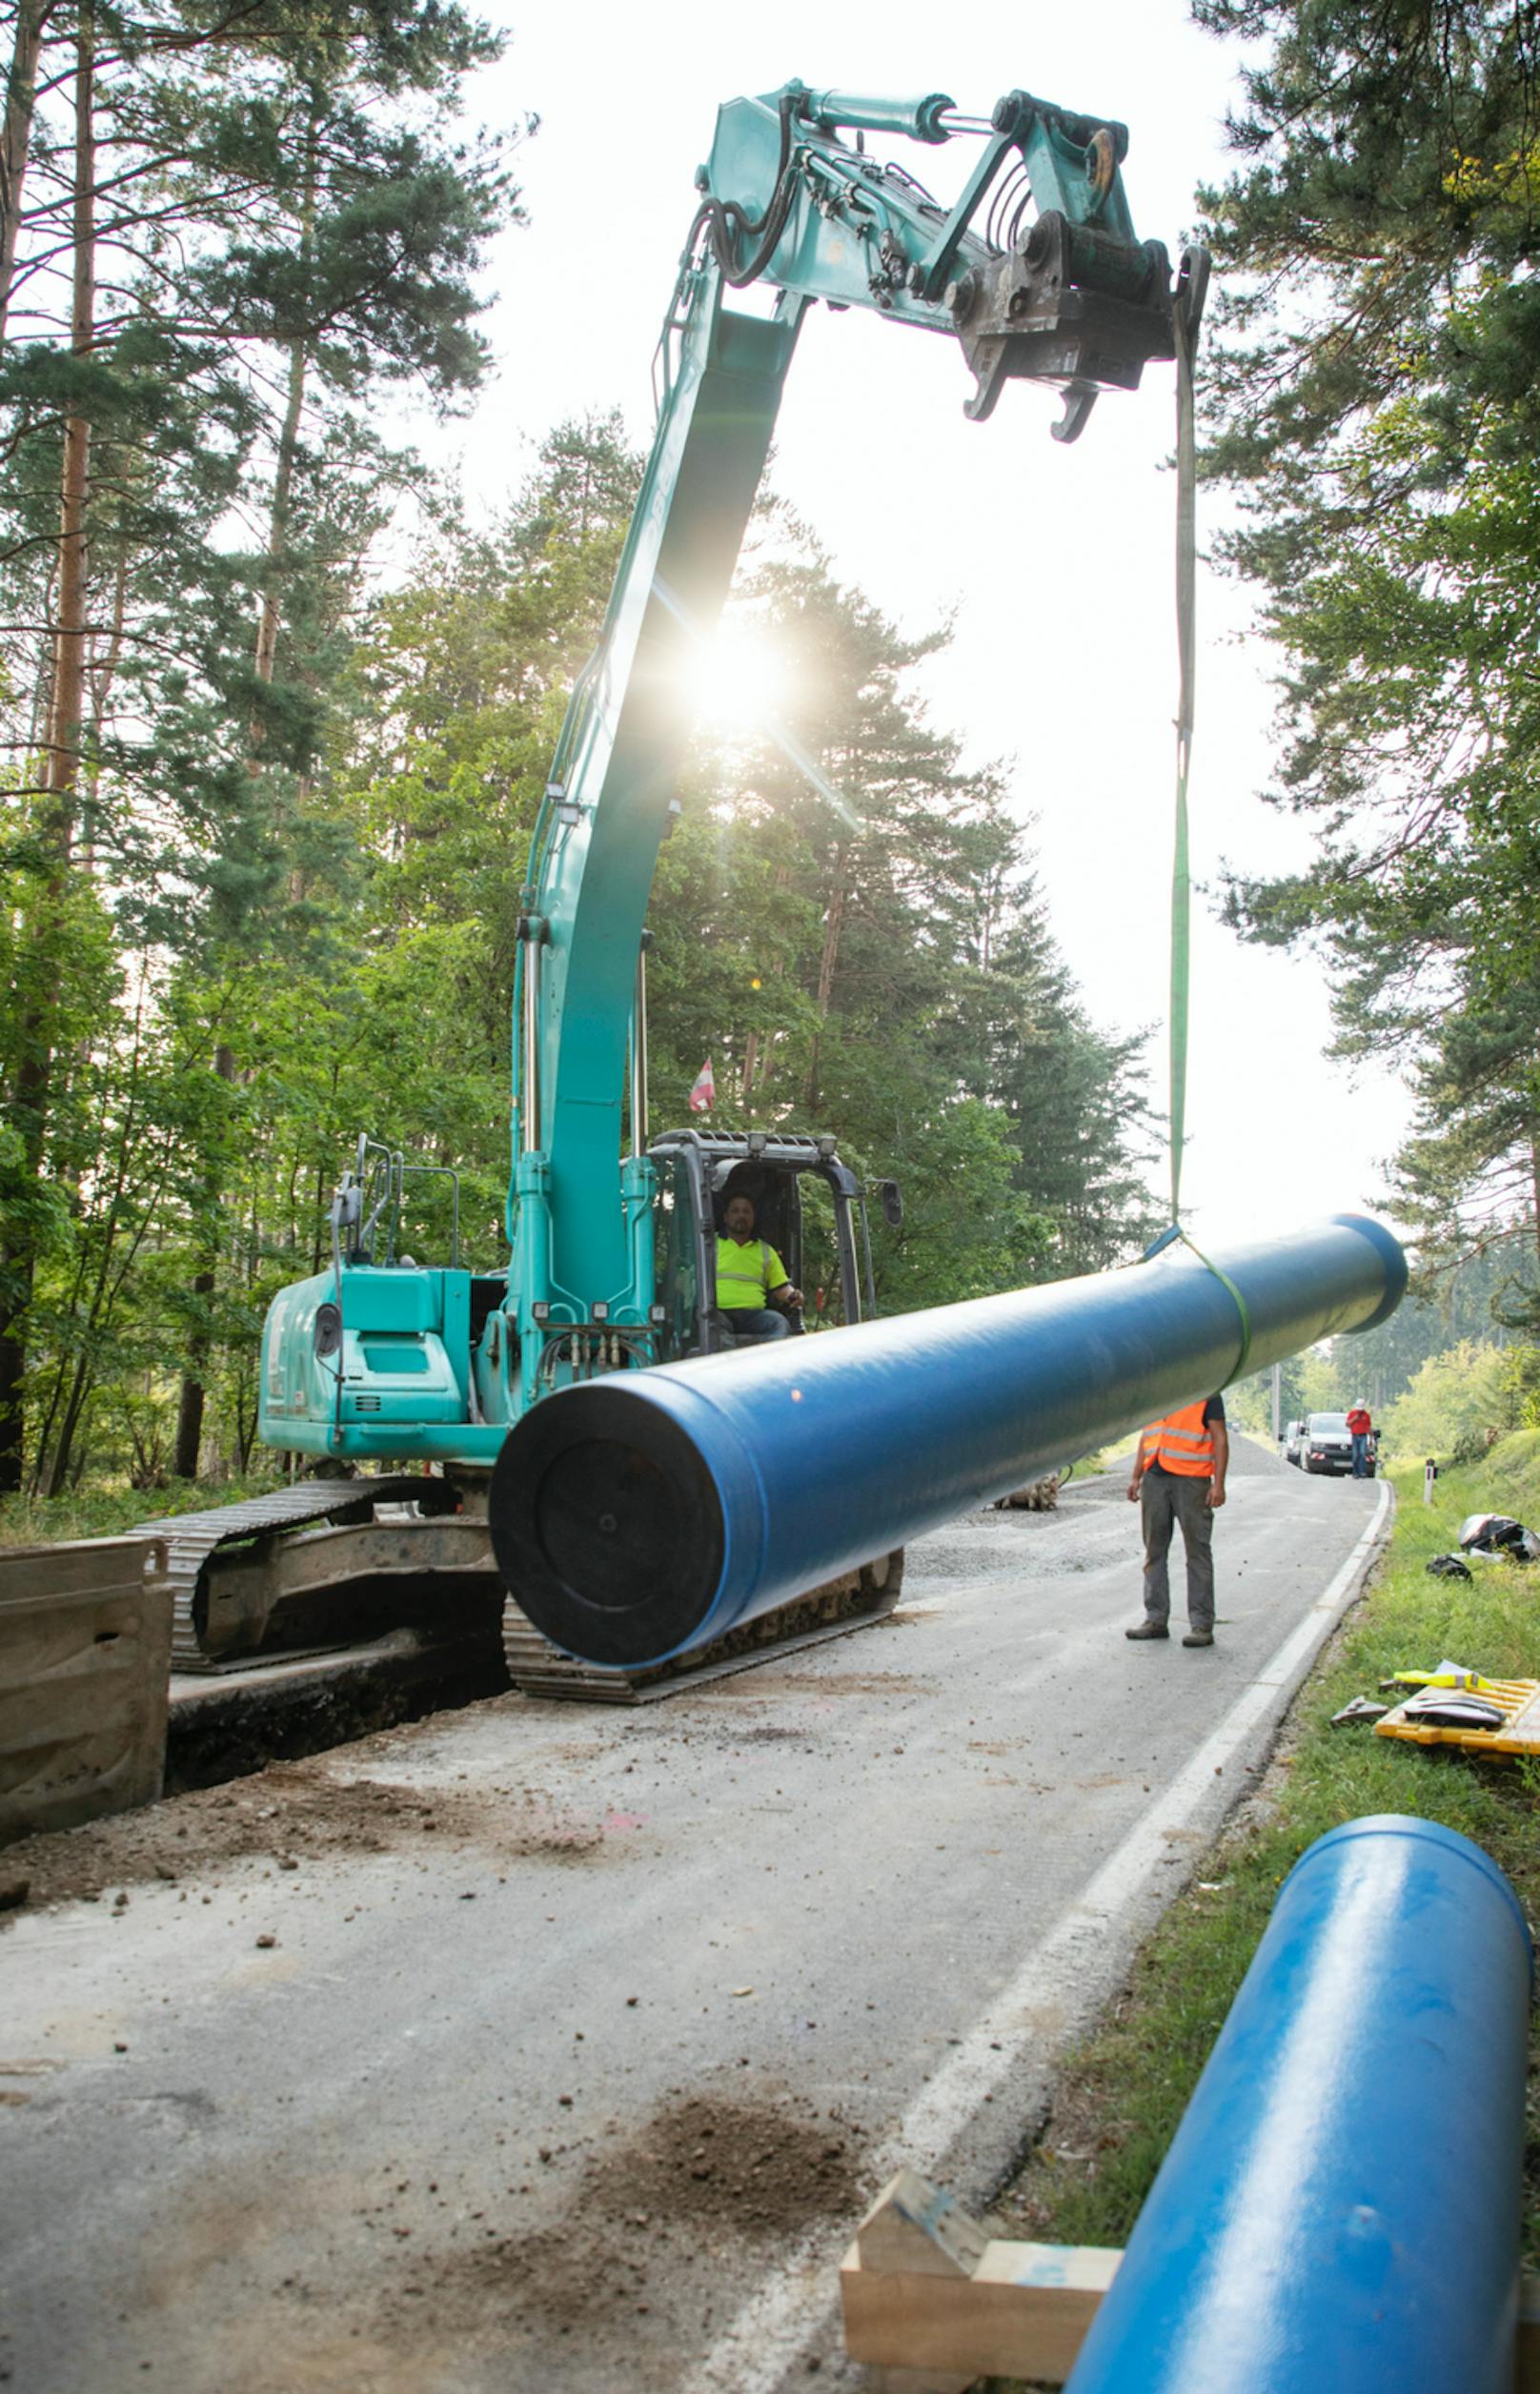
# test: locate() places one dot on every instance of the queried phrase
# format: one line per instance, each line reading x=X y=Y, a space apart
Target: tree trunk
x=17 y=134
x=267 y=622
x=283 y=475
x=12 y=1373
x=191 y=1404
x=103 y=675
x=828 y=964
x=190 y=1407
x=32 y=1087
x=833 y=921
x=56 y=1472
x=66 y=715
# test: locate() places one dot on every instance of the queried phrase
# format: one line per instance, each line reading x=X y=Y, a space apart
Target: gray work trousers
x=1165 y=1498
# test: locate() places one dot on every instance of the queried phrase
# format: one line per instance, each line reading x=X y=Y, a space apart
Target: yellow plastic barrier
x=1518 y=1701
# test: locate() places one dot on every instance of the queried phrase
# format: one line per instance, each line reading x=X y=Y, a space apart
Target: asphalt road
x=549 y=2048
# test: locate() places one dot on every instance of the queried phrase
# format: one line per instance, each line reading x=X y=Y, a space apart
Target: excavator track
x=259 y=1533
x=851 y=1602
x=190 y=1538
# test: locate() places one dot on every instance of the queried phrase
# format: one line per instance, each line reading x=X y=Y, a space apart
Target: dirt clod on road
x=705 y=2174
x=289 y=1814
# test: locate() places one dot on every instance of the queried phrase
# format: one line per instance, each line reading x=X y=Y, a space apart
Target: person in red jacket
x=1361 y=1430
x=1178 y=1475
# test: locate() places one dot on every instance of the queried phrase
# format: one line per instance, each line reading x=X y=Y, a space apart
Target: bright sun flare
x=738 y=682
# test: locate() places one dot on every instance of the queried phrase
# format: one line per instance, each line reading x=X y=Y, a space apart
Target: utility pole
x=1277 y=1402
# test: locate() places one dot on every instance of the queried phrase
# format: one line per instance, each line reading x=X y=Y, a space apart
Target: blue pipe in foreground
x=647 y=1512
x=1339 y=2213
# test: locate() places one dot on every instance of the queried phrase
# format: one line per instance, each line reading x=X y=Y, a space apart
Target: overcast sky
x=1057 y=562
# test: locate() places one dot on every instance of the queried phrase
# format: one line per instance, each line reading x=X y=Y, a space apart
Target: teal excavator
x=1037 y=272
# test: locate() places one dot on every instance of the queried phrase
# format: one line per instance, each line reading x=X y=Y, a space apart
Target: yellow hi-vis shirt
x=747 y=1270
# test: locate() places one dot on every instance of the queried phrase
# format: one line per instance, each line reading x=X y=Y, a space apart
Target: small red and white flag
x=703 y=1095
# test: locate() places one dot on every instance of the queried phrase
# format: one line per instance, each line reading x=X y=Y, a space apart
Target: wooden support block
x=931 y=2303
x=914 y=2225
x=925 y=2289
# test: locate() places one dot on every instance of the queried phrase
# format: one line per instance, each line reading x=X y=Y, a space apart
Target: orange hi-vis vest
x=1181 y=1443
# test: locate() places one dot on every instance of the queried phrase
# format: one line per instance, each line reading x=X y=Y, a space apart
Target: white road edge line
x=758 y=2347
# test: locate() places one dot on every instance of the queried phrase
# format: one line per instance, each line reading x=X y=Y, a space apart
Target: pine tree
x=231 y=189
x=1372 y=401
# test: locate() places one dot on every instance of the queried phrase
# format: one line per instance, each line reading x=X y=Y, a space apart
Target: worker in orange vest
x=1178 y=1475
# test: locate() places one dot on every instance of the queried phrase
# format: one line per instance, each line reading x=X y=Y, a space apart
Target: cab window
x=676 y=1258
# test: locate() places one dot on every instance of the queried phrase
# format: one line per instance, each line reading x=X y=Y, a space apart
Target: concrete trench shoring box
x=85 y=1661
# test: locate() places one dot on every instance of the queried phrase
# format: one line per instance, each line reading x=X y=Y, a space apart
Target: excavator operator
x=753 y=1296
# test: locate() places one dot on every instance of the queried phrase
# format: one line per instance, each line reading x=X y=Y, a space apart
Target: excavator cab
x=808 y=1206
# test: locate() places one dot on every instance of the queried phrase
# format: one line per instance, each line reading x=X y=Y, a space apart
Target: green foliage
x=283 y=218
x=1467 y=1298
x=271 y=190
x=1248 y=1405
x=1372 y=401
x=1326 y=1385
x=1460 y=1402
x=93 y=1510
x=1511 y=1475
x=967 y=1229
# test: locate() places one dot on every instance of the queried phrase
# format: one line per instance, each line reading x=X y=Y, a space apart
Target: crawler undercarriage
x=331 y=1562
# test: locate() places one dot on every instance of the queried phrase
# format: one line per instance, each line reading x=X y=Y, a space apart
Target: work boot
x=1199 y=1637
x=1148 y=1629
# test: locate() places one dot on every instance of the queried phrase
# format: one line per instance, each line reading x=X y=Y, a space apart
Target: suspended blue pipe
x=647 y=1512
x=1339 y=2213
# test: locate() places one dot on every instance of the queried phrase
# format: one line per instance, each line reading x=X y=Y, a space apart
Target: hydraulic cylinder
x=647 y=1512
x=1339 y=2208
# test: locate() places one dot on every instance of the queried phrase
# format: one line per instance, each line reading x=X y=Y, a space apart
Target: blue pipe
x=647 y=1512
x=1339 y=2213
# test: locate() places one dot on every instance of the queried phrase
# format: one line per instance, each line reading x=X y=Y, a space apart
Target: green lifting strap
x=1239 y=1372
x=1186 y=574
x=1169 y=1238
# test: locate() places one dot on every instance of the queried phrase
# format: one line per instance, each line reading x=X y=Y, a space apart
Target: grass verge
x=1121 y=2094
